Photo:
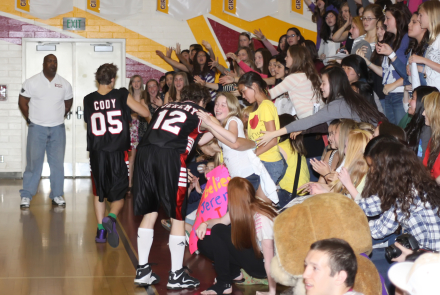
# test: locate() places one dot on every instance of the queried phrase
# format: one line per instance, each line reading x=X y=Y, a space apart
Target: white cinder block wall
x=10 y=115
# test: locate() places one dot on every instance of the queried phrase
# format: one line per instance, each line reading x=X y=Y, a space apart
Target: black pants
x=228 y=260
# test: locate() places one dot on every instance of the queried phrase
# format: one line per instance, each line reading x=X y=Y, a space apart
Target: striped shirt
x=210 y=78
x=300 y=91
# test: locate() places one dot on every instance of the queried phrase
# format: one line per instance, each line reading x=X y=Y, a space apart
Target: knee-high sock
x=145 y=240
x=177 y=249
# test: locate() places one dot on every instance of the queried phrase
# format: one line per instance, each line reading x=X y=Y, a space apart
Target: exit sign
x=74 y=23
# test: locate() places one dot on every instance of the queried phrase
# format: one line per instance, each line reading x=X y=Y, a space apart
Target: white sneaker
x=25 y=202
x=59 y=201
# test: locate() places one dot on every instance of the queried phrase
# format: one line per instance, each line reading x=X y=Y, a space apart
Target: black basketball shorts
x=159 y=178
x=109 y=175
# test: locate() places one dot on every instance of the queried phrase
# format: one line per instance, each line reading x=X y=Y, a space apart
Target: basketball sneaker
x=145 y=276
x=181 y=280
x=109 y=223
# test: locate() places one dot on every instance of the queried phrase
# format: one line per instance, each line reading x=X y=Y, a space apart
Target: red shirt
x=435 y=171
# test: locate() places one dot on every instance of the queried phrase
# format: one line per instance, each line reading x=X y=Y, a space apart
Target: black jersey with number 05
x=174 y=126
x=107 y=117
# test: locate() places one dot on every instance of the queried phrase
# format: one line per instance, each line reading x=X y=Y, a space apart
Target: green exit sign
x=74 y=23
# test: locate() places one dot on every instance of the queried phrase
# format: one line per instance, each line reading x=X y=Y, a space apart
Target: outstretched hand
x=259 y=34
x=199 y=80
x=178 y=51
x=169 y=51
x=213 y=63
x=266 y=138
x=226 y=80
x=206 y=44
x=205 y=117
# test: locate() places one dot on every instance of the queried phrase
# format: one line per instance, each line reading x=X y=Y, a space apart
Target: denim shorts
x=254 y=179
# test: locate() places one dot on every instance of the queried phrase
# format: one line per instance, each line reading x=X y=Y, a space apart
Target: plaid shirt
x=423 y=222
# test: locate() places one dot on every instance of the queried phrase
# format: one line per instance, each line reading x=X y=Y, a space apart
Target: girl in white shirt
x=428 y=18
x=239 y=163
x=329 y=27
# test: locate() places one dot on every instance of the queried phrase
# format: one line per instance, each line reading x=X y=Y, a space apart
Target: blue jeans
x=394 y=110
x=40 y=140
x=276 y=169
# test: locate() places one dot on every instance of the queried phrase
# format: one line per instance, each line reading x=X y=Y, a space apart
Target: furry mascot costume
x=321 y=217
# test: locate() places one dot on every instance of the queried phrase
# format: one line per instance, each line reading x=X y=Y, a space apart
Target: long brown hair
x=303 y=63
x=406 y=177
x=173 y=90
x=147 y=94
x=243 y=204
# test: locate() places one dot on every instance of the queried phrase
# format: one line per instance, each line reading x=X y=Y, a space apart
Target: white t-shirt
x=433 y=53
x=237 y=162
x=263 y=229
x=46 y=105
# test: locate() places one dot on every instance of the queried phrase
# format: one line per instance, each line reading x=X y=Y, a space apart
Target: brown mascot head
x=321 y=217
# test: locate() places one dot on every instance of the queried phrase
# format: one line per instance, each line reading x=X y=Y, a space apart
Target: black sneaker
x=181 y=280
x=145 y=276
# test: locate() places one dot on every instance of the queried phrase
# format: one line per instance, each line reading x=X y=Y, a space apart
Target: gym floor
x=47 y=250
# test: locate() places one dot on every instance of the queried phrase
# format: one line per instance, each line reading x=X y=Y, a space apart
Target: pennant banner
x=115 y=9
x=214 y=202
x=297 y=6
x=250 y=10
x=184 y=10
x=44 y=9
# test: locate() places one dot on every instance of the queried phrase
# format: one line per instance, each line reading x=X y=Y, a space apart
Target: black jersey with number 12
x=174 y=126
x=107 y=117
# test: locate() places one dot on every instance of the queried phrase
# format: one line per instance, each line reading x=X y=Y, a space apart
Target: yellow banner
x=162 y=6
x=23 y=5
x=230 y=6
x=297 y=6
x=93 y=5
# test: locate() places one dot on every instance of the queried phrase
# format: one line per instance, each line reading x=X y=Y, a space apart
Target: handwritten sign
x=214 y=202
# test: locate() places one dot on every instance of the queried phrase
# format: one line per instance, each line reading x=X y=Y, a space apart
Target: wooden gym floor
x=47 y=250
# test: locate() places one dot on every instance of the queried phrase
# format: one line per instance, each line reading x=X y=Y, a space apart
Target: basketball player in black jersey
x=107 y=114
x=160 y=178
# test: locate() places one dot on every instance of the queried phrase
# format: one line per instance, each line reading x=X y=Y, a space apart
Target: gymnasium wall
x=144 y=32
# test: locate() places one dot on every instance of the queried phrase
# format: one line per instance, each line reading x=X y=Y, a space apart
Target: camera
x=406 y=240
x=342 y=50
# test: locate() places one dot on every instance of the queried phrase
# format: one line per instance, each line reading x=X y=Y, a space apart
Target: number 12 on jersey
x=172 y=118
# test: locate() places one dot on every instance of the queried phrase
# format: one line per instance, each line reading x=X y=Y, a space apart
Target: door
x=78 y=60
x=88 y=58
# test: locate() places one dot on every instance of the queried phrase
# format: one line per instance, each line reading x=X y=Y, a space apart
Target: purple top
x=319 y=21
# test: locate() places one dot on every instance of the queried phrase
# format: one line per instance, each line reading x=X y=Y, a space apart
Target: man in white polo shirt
x=44 y=101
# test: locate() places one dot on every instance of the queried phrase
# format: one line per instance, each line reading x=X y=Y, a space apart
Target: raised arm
x=342 y=34
x=215 y=64
x=209 y=48
x=189 y=67
x=289 y=83
x=266 y=42
x=171 y=61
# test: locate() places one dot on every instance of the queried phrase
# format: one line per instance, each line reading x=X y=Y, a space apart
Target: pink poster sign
x=214 y=202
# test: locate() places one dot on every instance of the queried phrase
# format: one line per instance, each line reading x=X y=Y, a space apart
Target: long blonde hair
x=131 y=90
x=344 y=127
x=233 y=106
x=432 y=8
x=354 y=159
x=431 y=103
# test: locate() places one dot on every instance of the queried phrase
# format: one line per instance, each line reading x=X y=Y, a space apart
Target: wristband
x=28 y=121
x=369 y=64
x=392 y=55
